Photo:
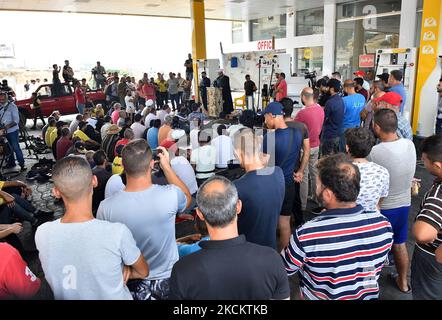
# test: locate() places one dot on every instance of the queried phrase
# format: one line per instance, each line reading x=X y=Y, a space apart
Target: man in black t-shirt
x=189 y=67
x=228 y=267
x=250 y=88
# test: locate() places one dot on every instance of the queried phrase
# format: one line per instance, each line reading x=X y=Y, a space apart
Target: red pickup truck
x=64 y=102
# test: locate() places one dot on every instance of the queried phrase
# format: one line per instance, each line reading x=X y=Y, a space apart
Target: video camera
x=311 y=76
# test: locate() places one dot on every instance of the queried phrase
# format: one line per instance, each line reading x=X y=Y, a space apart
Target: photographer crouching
x=9 y=121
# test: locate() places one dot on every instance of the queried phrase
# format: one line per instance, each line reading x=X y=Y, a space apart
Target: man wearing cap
x=396 y=85
x=334 y=119
x=283 y=147
x=363 y=75
x=384 y=78
x=392 y=100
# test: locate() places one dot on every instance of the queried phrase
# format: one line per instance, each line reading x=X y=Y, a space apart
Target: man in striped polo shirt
x=426 y=271
x=340 y=254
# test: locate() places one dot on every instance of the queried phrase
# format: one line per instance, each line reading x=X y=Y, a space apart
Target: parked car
x=65 y=102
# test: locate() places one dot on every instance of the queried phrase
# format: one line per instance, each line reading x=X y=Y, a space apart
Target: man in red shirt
x=16 y=280
x=281 y=89
x=313 y=117
x=64 y=143
x=80 y=97
x=149 y=91
x=359 y=84
x=128 y=137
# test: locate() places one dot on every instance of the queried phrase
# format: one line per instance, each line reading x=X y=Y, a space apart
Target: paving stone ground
x=42 y=198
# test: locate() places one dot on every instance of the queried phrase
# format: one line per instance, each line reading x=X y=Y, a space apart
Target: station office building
x=326 y=35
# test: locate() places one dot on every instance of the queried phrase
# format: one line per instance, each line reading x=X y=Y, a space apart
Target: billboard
x=7 y=50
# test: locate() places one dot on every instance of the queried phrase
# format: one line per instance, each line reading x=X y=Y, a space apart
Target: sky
x=120 y=42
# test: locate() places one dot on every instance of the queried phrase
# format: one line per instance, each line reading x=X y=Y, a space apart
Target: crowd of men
x=126 y=176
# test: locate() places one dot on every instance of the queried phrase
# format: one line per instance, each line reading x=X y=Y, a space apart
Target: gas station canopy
x=238 y=10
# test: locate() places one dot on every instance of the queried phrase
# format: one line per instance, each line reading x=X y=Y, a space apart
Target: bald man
x=313 y=117
x=82 y=258
x=239 y=270
x=354 y=103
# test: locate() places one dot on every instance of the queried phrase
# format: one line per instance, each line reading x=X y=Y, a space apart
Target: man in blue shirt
x=9 y=121
x=354 y=103
x=283 y=146
x=334 y=119
x=261 y=204
x=395 y=83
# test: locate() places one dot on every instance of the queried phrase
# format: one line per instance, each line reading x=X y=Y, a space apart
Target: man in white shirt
x=74 y=124
x=163 y=113
x=152 y=115
x=84 y=258
x=203 y=159
x=224 y=148
x=137 y=127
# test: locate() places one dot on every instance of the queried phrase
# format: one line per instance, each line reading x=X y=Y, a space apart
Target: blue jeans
x=80 y=108
x=23 y=210
x=13 y=140
x=175 y=100
x=180 y=97
x=189 y=75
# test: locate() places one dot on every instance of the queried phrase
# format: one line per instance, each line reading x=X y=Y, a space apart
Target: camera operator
x=9 y=121
x=6 y=88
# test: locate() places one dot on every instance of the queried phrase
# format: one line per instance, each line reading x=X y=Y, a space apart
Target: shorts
x=289 y=199
x=399 y=222
x=149 y=289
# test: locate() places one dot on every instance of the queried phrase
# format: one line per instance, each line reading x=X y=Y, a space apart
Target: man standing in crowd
x=122 y=90
x=375 y=180
x=223 y=83
x=181 y=84
x=283 y=146
x=334 y=119
x=68 y=72
x=300 y=198
x=364 y=76
x=82 y=257
x=162 y=91
x=250 y=89
x=239 y=270
x=313 y=117
x=99 y=74
x=359 y=86
x=10 y=120
x=153 y=210
x=354 y=103
x=384 y=79
x=392 y=100
x=398 y=156
x=426 y=271
x=377 y=90
x=439 y=109
x=80 y=97
x=323 y=92
x=172 y=85
x=341 y=253
x=189 y=67
x=261 y=205
x=204 y=84
x=281 y=89
x=395 y=84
